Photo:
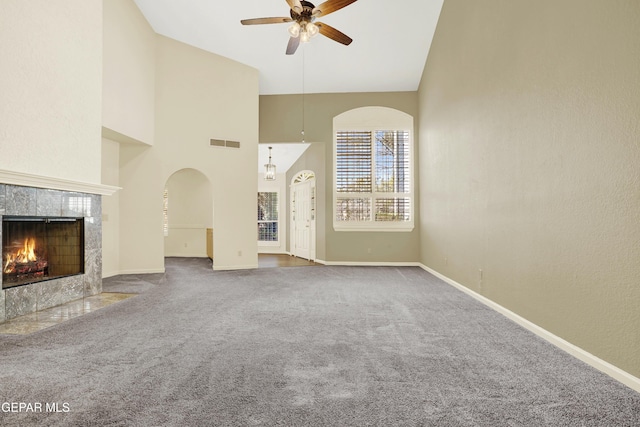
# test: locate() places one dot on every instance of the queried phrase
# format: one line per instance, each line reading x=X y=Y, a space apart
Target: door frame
x=303 y=177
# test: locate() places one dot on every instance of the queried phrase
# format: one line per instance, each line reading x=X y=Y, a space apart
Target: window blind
x=353 y=168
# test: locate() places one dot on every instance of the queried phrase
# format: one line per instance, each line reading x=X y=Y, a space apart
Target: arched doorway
x=188 y=214
x=303 y=215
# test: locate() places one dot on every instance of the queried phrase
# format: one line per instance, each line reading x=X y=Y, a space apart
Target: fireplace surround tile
x=2 y=302
x=48 y=202
x=28 y=201
x=92 y=272
x=1 y=261
x=77 y=204
x=20 y=200
x=2 y=198
x=92 y=234
x=59 y=291
x=20 y=300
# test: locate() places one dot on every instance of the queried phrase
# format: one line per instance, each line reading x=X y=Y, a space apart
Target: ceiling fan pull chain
x=303 y=94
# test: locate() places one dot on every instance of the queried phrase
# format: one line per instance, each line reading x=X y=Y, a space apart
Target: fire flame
x=22 y=255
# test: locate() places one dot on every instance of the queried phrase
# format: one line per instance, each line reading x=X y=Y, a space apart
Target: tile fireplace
x=51 y=248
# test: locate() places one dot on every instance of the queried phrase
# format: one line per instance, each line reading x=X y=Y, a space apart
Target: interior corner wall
x=51 y=88
x=128 y=100
x=281 y=121
x=199 y=96
x=529 y=164
x=110 y=209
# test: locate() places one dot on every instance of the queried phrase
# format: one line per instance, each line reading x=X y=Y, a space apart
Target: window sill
x=396 y=228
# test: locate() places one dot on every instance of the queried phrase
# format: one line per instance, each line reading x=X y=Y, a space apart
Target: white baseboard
x=370 y=263
x=575 y=351
x=106 y=274
x=186 y=255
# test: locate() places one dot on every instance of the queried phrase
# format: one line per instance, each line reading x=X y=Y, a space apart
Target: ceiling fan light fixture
x=304 y=37
x=294 y=29
x=312 y=29
x=302 y=14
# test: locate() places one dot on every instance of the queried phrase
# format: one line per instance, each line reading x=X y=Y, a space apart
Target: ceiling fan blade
x=295 y=5
x=256 y=21
x=330 y=6
x=333 y=34
x=294 y=42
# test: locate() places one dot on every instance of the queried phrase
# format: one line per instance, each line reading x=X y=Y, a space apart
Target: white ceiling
x=391 y=40
x=282 y=155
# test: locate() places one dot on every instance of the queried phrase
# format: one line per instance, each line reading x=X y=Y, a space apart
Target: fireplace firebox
x=41 y=248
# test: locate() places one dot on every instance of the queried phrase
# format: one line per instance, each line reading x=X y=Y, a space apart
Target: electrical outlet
x=239 y=253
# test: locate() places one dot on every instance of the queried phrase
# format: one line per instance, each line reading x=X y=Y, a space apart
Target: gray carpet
x=302 y=346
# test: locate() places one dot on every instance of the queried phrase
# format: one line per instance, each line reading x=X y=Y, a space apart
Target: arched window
x=373 y=164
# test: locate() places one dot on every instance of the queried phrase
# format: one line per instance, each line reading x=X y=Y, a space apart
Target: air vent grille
x=224 y=143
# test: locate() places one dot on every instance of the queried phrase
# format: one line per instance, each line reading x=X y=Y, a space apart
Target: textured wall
x=529 y=163
x=128 y=80
x=50 y=86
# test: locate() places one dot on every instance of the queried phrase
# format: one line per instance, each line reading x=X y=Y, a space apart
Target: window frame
x=277 y=221
x=372 y=224
x=165 y=212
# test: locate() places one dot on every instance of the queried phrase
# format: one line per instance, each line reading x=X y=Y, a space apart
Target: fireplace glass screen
x=41 y=248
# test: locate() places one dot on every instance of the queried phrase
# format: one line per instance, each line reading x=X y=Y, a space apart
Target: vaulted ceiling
x=391 y=40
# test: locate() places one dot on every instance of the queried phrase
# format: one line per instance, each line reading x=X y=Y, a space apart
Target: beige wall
x=128 y=71
x=529 y=164
x=128 y=107
x=50 y=81
x=199 y=96
x=281 y=121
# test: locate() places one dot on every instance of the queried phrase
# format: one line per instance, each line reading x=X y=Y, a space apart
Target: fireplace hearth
x=41 y=248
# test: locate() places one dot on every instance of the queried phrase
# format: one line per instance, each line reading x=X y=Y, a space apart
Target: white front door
x=302 y=219
x=302 y=233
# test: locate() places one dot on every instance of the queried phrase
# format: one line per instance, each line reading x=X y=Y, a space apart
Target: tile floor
x=43 y=319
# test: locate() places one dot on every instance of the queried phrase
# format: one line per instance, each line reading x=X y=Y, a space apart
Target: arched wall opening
x=188 y=214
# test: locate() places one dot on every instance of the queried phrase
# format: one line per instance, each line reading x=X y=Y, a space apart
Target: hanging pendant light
x=270 y=169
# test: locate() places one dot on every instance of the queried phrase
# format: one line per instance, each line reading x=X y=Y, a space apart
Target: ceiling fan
x=303 y=15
